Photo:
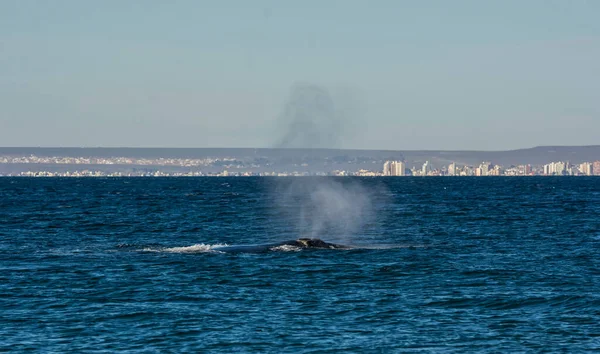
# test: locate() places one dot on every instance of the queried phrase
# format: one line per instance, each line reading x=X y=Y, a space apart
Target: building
x=496 y=171
x=560 y=168
x=555 y=169
x=425 y=169
x=586 y=169
x=452 y=169
x=467 y=171
x=398 y=169
x=596 y=168
x=483 y=169
x=387 y=171
x=394 y=168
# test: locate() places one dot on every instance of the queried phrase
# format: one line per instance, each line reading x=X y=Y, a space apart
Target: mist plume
x=310 y=119
x=325 y=207
x=322 y=207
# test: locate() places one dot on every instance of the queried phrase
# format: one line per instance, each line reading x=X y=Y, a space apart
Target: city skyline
x=280 y=162
x=486 y=168
x=390 y=169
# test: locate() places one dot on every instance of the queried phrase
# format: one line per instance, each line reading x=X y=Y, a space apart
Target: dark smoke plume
x=310 y=119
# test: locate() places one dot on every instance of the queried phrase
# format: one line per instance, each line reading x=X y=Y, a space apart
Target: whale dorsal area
x=314 y=243
x=317 y=243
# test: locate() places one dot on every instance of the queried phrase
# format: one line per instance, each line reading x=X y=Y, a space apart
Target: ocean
x=436 y=265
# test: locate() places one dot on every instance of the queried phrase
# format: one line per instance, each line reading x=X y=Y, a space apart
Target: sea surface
x=438 y=265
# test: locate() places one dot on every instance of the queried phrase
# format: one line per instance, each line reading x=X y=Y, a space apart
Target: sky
x=403 y=75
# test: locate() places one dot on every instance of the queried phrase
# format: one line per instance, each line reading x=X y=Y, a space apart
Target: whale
x=302 y=243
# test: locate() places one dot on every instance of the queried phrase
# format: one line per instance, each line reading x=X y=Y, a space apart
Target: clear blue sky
x=411 y=74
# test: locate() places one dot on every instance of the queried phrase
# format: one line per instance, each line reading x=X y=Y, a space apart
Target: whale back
x=317 y=243
x=314 y=243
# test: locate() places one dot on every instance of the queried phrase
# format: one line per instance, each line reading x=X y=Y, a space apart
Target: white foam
x=197 y=248
x=286 y=248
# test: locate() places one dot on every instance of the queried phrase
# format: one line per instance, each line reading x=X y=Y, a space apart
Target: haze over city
x=395 y=75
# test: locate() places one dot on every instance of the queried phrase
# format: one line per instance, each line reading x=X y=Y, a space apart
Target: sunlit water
x=441 y=264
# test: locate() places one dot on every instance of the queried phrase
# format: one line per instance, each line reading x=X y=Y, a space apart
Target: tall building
x=398 y=168
x=560 y=168
x=386 y=168
x=496 y=171
x=484 y=169
x=425 y=169
x=394 y=168
x=550 y=169
x=586 y=169
x=555 y=168
x=452 y=169
x=596 y=168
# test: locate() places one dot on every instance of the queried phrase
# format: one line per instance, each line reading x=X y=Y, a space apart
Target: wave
x=286 y=248
x=226 y=248
x=197 y=248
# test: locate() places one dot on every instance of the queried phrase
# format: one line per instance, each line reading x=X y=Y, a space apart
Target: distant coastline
x=101 y=162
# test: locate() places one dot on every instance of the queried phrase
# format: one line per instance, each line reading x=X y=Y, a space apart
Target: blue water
x=441 y=265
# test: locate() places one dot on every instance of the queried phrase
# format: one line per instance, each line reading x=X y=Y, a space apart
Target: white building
x=483 y=169
x=387 y=170
x=425 y=169
x=555 y=168
x=586 y=169
x=452 y=169
x=399 y=168
x=394 y=168
x=560 y=168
